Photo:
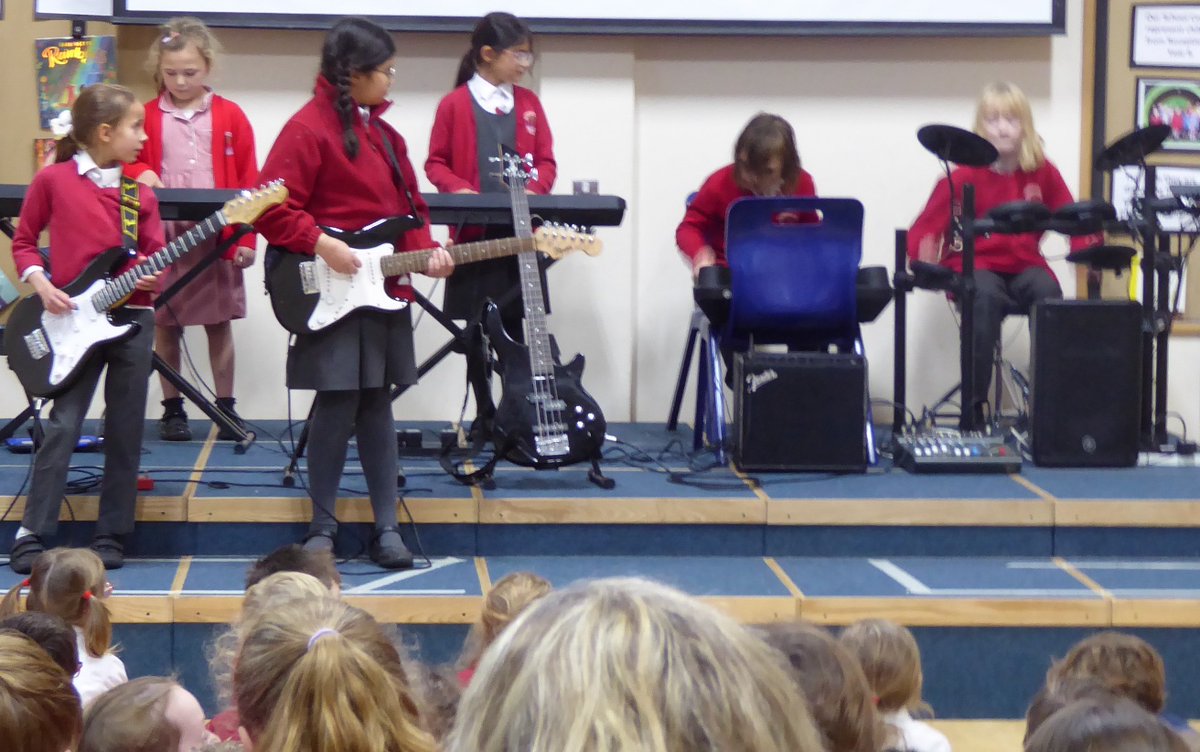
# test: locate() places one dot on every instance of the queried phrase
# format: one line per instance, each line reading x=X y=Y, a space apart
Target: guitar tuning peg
x=591 y=230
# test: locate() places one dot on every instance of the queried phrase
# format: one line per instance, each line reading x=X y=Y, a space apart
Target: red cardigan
x=84 y=221
x=1003 y=254
x=327 y=187
x=235 y=164
x=453 y=163
x=704 y=221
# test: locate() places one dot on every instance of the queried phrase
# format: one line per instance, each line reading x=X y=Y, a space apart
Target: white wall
x=650 y=118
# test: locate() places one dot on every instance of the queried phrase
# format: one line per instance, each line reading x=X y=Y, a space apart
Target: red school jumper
x=453 y=163
x=235 y=164
x=704 y=221
x=84 y=221
x=1004 y=254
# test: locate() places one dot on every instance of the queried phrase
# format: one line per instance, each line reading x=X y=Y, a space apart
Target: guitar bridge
x=308 y=278
x=36 y=343
x=551 y=446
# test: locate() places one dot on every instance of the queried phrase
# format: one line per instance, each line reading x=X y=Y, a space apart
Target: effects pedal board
x=939 y=453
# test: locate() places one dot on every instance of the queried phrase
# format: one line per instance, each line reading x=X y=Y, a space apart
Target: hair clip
x=25 y=582
x=323 y=632
x=87 y=595
x=172 y=36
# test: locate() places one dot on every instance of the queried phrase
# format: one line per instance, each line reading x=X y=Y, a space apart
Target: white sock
x=22 y=532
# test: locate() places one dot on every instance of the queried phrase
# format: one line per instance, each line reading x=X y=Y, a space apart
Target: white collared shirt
x=103 y=177
x=96 y=675
x=497 y=99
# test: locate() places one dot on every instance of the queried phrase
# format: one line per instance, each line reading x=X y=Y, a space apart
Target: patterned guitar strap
x=129 y=213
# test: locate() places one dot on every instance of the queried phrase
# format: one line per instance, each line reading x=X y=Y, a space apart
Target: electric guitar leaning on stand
x=47 y=351
x=545 y=419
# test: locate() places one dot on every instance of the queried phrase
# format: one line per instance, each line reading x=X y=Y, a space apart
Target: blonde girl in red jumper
x=486 y=111
x=345 y=167
x=197 y=139
x=78 y=200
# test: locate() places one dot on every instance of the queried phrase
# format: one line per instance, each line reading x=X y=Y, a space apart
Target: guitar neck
x=537 y=333
x=122 y=286
x=462 y=253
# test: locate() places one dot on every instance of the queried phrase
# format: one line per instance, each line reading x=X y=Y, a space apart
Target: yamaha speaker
x=1085 y=401
x=800 y=411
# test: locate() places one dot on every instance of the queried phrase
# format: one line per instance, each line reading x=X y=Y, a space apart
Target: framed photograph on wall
x=1172 y=102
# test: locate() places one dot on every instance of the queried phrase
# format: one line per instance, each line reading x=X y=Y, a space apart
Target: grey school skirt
x=366 y=350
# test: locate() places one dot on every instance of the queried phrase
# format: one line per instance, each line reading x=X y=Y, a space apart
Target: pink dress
x=217 y=294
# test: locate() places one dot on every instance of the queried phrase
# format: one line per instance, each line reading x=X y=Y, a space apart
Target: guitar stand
x=243 y=438
x=597 y=476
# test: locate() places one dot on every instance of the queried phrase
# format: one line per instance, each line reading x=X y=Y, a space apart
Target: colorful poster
x=43 y=152
x=66 y=65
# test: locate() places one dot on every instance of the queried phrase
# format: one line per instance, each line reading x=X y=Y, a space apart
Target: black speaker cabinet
x=1085 y=403
x=799 y=411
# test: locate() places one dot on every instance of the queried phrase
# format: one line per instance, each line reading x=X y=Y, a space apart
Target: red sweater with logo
x=929 y=237
x=453 y=163
x=84 y=220
x=704 y=221
x=327 y=187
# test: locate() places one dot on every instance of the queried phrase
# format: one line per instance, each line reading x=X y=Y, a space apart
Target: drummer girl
x=1010 y=272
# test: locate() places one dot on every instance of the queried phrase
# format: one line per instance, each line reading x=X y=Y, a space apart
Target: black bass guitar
x=47 y=351
x=308 y=296
x=545 y=419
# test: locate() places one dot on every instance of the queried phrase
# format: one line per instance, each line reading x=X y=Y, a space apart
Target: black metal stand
x=902 y=284
x=1156 y=320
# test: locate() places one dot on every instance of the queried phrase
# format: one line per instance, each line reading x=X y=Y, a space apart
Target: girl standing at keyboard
x=487 y=112
x=345 y=167
x=197 y=139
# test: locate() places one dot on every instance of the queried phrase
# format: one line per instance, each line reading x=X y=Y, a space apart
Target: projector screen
x=770 y=17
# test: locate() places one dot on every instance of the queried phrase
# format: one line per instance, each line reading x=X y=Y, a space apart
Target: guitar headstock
x=250 y=205
x=517 y=170
x=557 y=240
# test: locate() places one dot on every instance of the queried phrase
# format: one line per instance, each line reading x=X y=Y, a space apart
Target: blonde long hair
x=511 y=595
x=1006 y=98
x=628 y=665
x=320 y=676
x=891 y=661
x=68 y=583
x=39 y=708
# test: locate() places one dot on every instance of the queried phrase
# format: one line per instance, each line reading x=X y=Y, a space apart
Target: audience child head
x=317 y=675
x=51 y=633
x=151 y=714
x=766 y=161
x=511 y=595
x=180 y=58
x=1126 y=665
x=39 y=708
x=891 y=661
x=1005 y=119
x=1113 y=724
x=69 y=583
x=1049 y=701
x=841 y=701
x=359 y=59
x=630 y=665
x=501 y=50
x=261 y=598
x=108 y=123
x=295 y=558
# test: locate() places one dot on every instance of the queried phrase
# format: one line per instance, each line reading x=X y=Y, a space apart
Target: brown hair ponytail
x=96 y=105
x=353 y=45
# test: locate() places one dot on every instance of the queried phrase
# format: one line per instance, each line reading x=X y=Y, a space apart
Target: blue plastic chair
x=794 y=263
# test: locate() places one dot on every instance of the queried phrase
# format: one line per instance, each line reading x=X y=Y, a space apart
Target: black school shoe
x=388 y=549
x=110 y=550
x=24 y=550
x=173 y=426
x=225 y=404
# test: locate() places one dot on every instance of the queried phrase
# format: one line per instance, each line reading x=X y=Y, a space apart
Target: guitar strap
x=130 y=203
x=397 y=174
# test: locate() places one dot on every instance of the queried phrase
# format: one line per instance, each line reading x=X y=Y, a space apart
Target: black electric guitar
x=545 y=419
x=308 y=296
x=47 y=351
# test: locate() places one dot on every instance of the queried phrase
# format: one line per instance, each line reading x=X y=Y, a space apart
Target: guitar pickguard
x=72 y=335
x=340 y=294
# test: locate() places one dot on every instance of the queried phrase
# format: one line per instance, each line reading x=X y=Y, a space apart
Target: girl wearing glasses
x=485 y=113
x=345 y=167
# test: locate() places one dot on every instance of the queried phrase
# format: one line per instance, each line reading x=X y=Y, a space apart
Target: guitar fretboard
x=463 y=253
x=122 y=286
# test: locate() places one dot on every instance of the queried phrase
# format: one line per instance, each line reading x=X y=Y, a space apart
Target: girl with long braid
x=345 y=167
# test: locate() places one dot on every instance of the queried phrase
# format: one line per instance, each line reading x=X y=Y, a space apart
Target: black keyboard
x=1186 y=191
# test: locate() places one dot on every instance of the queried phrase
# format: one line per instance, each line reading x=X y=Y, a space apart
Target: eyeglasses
x=389 y=71
x=521 y=56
